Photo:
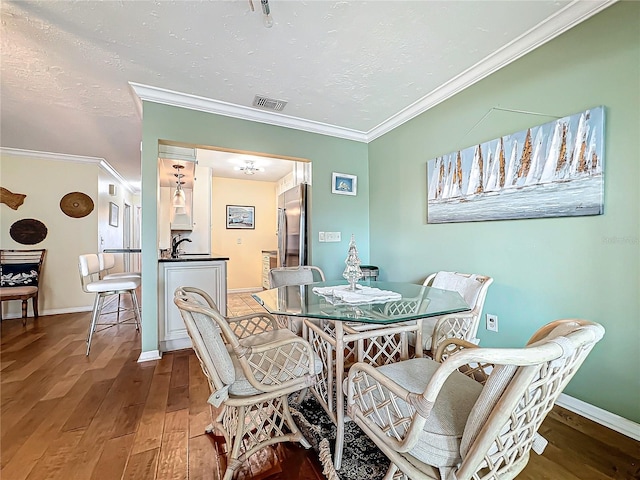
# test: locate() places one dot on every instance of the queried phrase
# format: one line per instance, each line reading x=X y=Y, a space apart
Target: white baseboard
x=245 y=290
x=598 y=415
x=175 y=344
x=149 y=355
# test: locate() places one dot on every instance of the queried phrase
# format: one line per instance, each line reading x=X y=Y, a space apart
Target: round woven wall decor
x=28 y=231
x=76 y=204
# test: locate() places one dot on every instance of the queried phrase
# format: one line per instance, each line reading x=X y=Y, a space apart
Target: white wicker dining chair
x=473 y=288
x=251 y=367
x=301 y=275
x=435 y=422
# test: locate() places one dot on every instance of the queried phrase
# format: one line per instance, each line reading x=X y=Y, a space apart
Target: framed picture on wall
x=241 y=216
x=113 y=214
x=344 y=184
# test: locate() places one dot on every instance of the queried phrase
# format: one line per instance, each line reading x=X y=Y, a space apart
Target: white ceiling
x=349 y=68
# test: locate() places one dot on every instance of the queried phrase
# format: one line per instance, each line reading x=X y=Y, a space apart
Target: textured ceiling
x=65 y=66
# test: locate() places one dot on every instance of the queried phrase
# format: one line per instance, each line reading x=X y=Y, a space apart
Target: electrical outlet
x=492 y=322
x=332 y=236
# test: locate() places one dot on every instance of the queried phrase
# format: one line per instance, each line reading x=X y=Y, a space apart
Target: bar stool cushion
x=113 y=284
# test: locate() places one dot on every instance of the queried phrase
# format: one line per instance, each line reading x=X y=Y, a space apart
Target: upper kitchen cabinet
x=185 y=199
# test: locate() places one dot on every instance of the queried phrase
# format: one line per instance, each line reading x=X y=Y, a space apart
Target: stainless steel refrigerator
x=292 y=227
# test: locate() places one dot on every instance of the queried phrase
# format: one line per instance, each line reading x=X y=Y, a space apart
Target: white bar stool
x=89 y=267
x=107 y=262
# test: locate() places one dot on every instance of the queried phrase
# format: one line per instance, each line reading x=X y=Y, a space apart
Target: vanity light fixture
x=250 y=168
x=179 y=200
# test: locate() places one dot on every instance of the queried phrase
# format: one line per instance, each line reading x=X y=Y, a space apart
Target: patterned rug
x=361 y=459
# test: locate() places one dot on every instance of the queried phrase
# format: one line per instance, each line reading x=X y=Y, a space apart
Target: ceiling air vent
x=268 y=103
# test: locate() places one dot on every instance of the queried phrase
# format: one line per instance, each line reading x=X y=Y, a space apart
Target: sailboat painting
x=551 y=170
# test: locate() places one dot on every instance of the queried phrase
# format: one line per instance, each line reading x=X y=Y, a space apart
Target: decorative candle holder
x=352 y=273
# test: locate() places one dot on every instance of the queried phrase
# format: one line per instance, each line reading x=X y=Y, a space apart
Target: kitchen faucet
x=175 y=243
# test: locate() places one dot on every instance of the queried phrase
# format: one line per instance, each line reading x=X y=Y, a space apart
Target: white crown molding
x=193 y=102
x=565 y=19
x=62 y=157
x=598 y=415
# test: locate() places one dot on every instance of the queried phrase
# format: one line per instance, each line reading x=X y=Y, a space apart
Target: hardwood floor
x=66 y=416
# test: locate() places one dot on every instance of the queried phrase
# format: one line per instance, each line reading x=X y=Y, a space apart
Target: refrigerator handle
x=282 y=237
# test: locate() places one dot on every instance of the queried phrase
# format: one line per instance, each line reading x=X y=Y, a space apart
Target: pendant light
x=179 y=200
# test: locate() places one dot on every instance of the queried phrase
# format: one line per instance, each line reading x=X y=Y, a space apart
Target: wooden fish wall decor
x=13 y=200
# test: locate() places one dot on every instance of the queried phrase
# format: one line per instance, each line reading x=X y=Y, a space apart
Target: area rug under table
x=361 y=459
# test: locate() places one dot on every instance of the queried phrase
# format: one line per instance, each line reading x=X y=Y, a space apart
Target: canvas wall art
x=551 y=170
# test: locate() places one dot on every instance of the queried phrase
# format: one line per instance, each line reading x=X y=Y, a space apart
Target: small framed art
x=241 y=216
x=344 y=184
x=113 y=214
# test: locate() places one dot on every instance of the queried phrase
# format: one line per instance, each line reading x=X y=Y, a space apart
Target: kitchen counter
x=195 y=257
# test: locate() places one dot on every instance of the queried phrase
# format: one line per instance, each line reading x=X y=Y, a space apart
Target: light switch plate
x=332 y=236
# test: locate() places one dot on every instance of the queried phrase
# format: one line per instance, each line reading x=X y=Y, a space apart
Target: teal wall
x=330 y=212
x=544 y=269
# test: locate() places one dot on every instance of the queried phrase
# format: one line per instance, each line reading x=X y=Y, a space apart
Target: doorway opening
x=251 y=182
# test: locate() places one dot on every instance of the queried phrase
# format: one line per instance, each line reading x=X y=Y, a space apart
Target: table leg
x=339 y=372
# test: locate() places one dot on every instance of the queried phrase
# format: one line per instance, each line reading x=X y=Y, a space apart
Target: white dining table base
x=339 y=344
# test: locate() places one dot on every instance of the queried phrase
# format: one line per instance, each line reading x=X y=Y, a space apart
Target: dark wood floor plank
x=180 y=371
x=18 y=465
x=127 y=420
x=85 y=411
x=151 y=425
x=178 y=398
x=591 y=429
x=142 y=466
x=22 y=430
x=203 y=461
x=541 y=468
x=113 y=460
x=60 y=453
x=172 y=462
x=199 y=411
x=21 y=343
x=593 y=457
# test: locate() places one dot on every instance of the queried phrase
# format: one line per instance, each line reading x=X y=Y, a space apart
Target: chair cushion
x=468 y=287
x=18 y=274
x=298 y=276
x=439 y=444
x=17 y=291
x=241 y=386
x=214 y=345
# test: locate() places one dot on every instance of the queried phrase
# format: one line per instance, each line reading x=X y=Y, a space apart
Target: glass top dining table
x=410 y=302
x=370 y=326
